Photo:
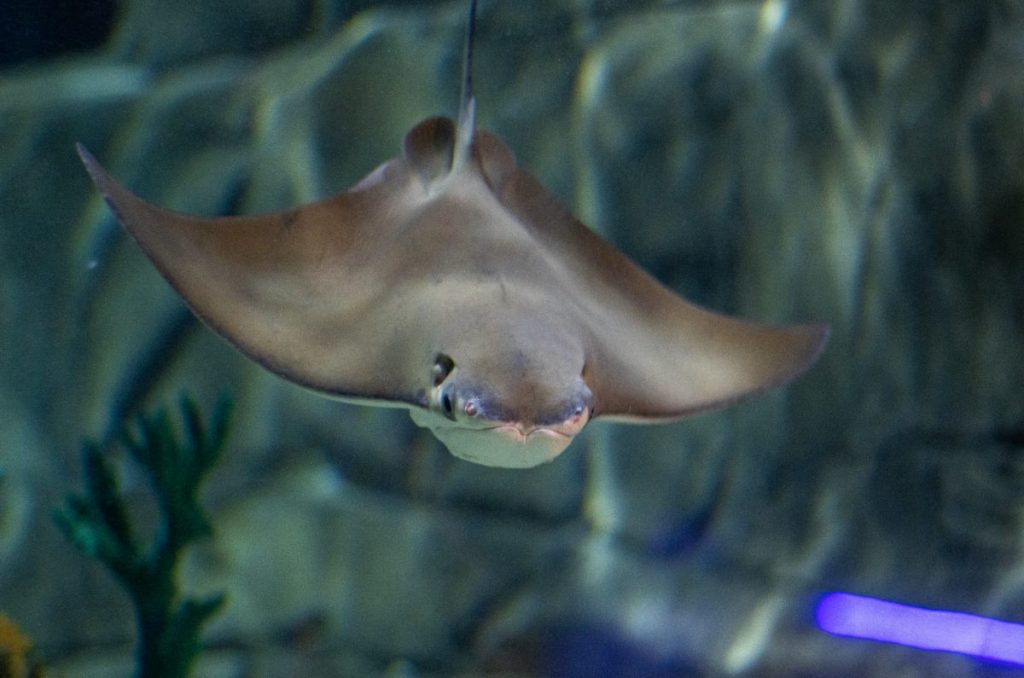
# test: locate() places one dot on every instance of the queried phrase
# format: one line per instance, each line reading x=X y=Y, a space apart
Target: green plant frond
x=193 y=422
x=192 y=614
x=98 y=524
x=104 y=493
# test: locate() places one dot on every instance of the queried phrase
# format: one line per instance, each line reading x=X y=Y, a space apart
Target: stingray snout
x=525 y=431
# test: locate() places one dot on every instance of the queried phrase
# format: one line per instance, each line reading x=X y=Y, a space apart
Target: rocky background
x=857 y=161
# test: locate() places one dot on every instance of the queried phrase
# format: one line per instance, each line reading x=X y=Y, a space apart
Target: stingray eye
x=447 y=403
x=443 y=366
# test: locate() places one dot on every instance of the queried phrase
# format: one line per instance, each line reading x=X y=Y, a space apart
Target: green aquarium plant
x=97 y=522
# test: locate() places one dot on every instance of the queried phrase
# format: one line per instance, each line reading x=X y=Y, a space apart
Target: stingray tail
x=467 y=106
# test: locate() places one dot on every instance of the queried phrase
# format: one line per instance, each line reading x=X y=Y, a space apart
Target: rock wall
x=857 y=162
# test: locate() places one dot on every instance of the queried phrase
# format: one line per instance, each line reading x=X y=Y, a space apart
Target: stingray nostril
x=578 y=411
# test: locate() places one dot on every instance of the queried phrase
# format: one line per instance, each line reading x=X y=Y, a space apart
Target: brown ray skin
x=355 y=295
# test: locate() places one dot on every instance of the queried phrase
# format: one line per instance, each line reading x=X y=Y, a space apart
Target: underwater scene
x=505 y=478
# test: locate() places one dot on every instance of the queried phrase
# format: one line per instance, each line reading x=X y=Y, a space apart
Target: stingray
x=451 y=283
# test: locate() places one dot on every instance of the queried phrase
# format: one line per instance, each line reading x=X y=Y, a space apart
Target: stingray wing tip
x=818 y=335
x=99 y=176
x=90 y=162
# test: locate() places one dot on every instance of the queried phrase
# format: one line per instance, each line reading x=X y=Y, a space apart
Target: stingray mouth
x=502 y=443
x=518 y=432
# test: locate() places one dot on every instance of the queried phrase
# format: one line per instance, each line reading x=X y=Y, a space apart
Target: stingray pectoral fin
x=653 y=355
x=665 y=368
x=297 y=291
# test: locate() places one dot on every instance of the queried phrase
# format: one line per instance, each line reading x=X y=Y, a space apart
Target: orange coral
x=15 y=651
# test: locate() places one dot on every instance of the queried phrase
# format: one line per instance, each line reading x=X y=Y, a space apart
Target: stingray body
x=451 y=283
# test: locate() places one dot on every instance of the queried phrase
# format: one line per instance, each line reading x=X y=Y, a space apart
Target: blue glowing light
x=845 y=614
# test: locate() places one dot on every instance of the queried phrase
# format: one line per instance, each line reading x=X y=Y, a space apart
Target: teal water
x=854 y=162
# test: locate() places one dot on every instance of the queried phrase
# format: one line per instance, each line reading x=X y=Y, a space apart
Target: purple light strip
x=845 y=614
